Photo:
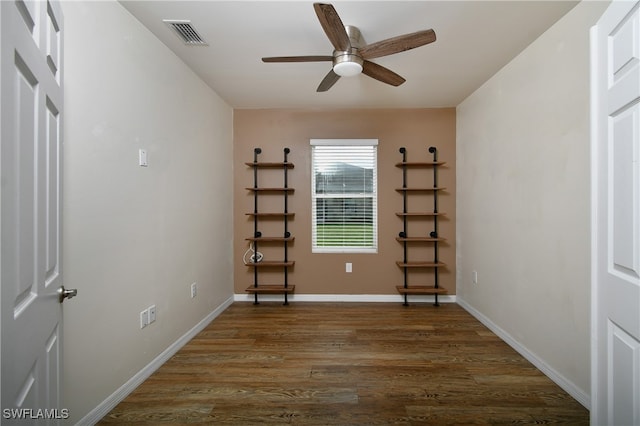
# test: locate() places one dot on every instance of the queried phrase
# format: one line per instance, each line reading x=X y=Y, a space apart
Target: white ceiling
x=474 y=40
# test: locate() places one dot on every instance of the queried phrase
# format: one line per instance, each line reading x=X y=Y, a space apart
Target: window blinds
x=344 y=195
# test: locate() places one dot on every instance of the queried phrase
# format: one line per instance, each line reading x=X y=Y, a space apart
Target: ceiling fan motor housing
x=349 y=63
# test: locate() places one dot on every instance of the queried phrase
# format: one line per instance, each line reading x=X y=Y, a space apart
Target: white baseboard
x=395 y=298
x=115 y=398
x=556 y=377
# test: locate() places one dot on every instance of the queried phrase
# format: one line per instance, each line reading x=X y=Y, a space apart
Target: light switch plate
x=144 y=318
x=152 y=313
x=142 y=158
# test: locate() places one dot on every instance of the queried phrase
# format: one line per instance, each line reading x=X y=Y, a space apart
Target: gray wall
x=523 y=200
x=136 y=236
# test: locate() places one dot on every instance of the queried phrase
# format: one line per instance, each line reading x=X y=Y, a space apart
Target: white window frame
x=314 y=197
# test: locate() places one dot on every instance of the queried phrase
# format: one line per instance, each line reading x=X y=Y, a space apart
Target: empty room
x=288 y=212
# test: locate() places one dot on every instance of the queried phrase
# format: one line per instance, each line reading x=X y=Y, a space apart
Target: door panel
x=30 y=164
x=623 y=208
x=24 y=147
x=625 y=351
x=616 y=184
x=53 y=41
x=52 y=231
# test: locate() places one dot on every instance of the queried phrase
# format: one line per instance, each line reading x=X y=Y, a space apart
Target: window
x=344 y=195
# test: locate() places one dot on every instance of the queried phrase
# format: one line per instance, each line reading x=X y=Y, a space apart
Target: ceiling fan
x=351 y=55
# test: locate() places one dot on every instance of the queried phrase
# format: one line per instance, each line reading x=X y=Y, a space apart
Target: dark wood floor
x=347 y=364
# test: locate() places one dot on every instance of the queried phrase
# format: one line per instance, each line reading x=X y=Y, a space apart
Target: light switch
x=142 y=158
x=348 y=267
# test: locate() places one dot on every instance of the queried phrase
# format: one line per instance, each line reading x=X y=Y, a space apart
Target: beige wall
x=373 y=274
x=135 y=236
x=523 y=200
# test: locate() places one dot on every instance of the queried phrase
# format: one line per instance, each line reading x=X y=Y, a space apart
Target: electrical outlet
x=348 y=267
x=152 y=313
x=144 y=318
x=474 y=277
x=194 y=290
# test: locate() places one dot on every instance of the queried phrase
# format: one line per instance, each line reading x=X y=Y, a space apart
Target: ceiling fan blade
x=298 y=59
x=381 y=73
x=398 y=44
x=332 y=26
x=328 y=81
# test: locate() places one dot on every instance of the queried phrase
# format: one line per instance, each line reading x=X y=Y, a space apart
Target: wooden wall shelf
x=420 y=216
x=270 y=289
x=419 y=239
x=271 y=264
x=419 y=189
x=420 y=163
x=416 y=290
x=270 y=189
x=270 y=239
x=273 y=215
x=420 y=264
x=257 y=239
x=261 y=165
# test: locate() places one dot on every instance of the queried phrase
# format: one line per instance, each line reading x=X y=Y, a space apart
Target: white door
x=615 y=48
x=30 y=257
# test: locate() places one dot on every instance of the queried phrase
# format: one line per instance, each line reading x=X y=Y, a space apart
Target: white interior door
x=30 y=256
x=615 y=44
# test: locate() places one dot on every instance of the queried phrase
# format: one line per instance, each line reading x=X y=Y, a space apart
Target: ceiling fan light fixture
x=347 y=65
x=347 y=69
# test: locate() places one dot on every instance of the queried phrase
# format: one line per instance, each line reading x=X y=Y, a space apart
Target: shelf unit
x=258 y=239
x=424 y=218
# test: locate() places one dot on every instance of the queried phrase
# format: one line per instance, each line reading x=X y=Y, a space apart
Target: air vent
x=186 y=32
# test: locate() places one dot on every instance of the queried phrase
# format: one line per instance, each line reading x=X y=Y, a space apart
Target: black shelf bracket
x=286 y=225
x=403 y=151
x=433 y=150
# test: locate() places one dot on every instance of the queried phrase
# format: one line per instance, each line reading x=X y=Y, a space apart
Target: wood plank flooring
x=347 y=364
